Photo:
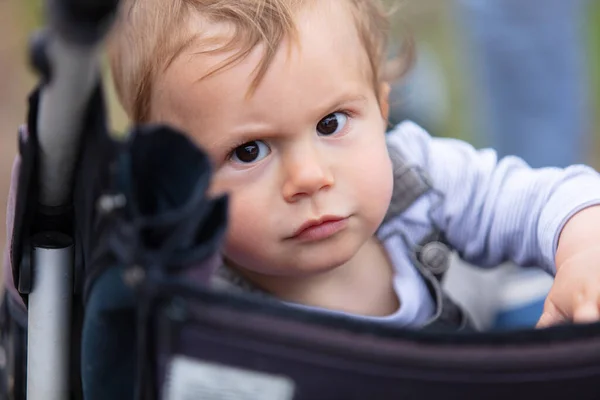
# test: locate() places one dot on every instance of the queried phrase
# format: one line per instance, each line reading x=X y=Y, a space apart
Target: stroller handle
x=73 y=48
x=83 y=22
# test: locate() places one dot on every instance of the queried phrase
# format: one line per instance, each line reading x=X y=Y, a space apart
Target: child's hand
x=575 y=294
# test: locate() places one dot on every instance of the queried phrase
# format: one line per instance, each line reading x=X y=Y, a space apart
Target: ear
x=384 y=100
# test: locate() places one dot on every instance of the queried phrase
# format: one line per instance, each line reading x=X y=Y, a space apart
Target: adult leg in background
x=528 y=64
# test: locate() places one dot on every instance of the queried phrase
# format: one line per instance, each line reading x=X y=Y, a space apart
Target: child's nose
x=306 y=175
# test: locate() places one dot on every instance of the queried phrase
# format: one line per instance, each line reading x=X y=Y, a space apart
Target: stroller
x=113 y=243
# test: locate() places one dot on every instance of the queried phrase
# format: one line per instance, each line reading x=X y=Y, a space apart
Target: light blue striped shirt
x=494 y=210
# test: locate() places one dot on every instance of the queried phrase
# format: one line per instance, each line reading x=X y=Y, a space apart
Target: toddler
x=289 y=98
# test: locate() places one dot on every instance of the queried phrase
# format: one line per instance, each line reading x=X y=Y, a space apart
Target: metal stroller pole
x=72 y=54
x=49 y=318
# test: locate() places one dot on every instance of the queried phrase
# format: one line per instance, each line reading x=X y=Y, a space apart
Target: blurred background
x=520 y=75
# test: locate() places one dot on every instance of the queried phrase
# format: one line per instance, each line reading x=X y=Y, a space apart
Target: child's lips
x=319 y=229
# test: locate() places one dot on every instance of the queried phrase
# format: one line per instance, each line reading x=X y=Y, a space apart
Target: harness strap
x=409 y=185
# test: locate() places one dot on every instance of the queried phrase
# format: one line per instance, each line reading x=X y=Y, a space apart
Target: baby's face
x=307 y=147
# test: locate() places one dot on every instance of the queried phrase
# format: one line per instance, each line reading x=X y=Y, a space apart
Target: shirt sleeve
x=497 y=210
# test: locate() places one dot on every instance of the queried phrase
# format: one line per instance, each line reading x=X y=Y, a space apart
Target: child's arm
x=496 y=210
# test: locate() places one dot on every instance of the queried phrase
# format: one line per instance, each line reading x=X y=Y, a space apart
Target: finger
x=586 y=313
x=551 y=316
x=585 y=307
x=548 y=319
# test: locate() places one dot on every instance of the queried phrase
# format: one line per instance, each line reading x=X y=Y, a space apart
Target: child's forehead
x=324 y=61
x=327 y=28
x=316 y=23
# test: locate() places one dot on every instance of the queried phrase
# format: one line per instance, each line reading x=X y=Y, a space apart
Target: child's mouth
x=320 y=229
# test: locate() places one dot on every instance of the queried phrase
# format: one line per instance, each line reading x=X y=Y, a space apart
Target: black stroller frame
x=112 y=249
x=67 y=55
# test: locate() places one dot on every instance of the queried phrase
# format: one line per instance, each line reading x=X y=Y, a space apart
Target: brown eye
x=250 y=152
x=332 y=124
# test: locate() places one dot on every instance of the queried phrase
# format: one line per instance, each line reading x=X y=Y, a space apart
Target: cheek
x=373 y=179
x=248 y=228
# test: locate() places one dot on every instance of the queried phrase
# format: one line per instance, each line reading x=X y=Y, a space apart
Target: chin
x=322 y=265
x=321 y=259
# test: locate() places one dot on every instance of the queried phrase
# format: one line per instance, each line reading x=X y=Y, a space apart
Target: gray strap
x=409 y=184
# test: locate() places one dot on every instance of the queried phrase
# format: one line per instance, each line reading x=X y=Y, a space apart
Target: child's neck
x=363 y=285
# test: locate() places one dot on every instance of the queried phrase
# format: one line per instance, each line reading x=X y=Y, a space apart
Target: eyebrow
x=344 y=100
x=253 y=133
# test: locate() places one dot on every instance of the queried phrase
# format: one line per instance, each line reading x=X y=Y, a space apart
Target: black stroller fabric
x=335 y=358
x=149 y=326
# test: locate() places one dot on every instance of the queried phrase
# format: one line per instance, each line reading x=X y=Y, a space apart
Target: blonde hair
x=150 y=34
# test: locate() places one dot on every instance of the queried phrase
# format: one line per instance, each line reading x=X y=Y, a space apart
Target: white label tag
x=190 y=379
